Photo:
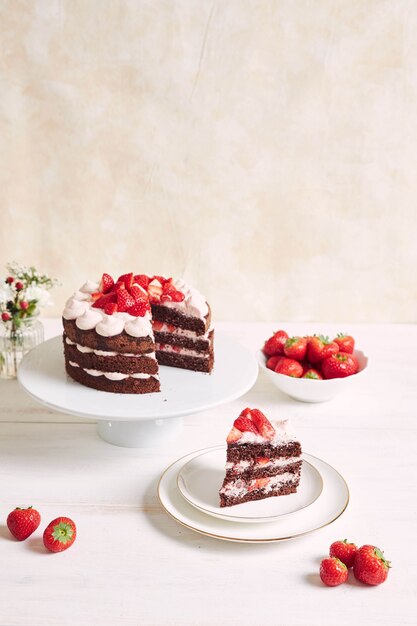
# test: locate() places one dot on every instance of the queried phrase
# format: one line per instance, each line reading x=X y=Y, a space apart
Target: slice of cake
x=263 y=460
x=181 y=320
x=108 y=337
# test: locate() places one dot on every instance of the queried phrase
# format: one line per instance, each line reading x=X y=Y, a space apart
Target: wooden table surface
x=133 y=565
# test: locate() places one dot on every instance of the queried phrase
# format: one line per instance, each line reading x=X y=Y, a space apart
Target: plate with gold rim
x=328 y=507
x=201 y=477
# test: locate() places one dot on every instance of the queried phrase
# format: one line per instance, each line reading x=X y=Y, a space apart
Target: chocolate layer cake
x=263 y=460
x=109 y=342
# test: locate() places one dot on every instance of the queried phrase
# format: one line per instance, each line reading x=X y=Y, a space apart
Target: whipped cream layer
x=80 y=308
x=194 y=303
x=113 y=375
x=167 y=347
x=239 y=488
x=242 y=466
x=87 y=350
x=282 y=435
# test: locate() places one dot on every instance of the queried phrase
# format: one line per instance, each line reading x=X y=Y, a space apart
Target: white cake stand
x=133 y=420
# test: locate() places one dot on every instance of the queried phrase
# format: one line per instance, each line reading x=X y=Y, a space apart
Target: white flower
x=5 y=294
x=41 y=295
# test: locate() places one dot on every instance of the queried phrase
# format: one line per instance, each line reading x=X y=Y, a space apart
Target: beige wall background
x=265 y=150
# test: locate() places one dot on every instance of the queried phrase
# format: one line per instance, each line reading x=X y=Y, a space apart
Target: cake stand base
x=143 y=434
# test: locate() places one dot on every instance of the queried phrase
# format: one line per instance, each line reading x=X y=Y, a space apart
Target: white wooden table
x=133 y=565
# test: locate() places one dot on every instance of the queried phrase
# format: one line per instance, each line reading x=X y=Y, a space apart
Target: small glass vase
x=15 y=342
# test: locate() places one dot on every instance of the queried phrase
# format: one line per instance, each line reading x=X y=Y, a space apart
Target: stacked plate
x=189 y=491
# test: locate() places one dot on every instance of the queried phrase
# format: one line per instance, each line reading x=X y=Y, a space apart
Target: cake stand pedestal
x=134 y=420
x=143 y=434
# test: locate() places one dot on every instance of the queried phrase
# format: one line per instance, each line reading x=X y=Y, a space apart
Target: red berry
x=333 y=572
x=6 y=316
x=19 y=286
x=124 y=300
x=106 y=283
x=346 y=343
x=344 y=551
x=320 y=348
x=244 y=424
x=24 y=305
x=23 y=522
x=262 y=424
x=313 y=374
x=296 y=348
x=272 y=362
x=110 y=308
x=127 y=279
x=101 y=302
x=234 y=435
x=370 y=565
x=142 y=280
x=60 y=534
x=138 y=293
x=138 y=309
x=274 y=346
x=340 y=365
x=9 y=280
x=289 y=367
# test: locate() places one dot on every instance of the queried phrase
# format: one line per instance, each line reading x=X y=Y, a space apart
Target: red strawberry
x=263 y=425
x=370 y=565
x=339 y=365
x=157 y=326
x=346 y=343
x=23 y=522
x=313 y=374
x=60 y=534
x=273 y=361
x=244 y=424
x=274 y=346
x=320 y=348
x=138 y=293
x=106 y=283
x=124 y=300
x=110 y=308
x=142 y=280
x=127 y=279
x=105 y=299
x=296 y=348
x=234 y=435
x=333 y=572
x=259 y=483
x=119 y=285
x=262 y=460
x=169 y=293
x=139 y=309
x=289 y=367
x=344 y=551
x=155 y=290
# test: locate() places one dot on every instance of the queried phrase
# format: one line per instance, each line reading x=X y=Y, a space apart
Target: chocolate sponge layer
x=119 y=343
x=101 y=383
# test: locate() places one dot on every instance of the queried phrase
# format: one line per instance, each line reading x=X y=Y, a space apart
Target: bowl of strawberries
x=312 y=368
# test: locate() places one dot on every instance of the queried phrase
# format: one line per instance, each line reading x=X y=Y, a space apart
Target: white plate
x=325 y=510
x=200 y=479
x=43 y=376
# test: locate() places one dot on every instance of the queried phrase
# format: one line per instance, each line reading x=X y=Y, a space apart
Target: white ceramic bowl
x=308 y=390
